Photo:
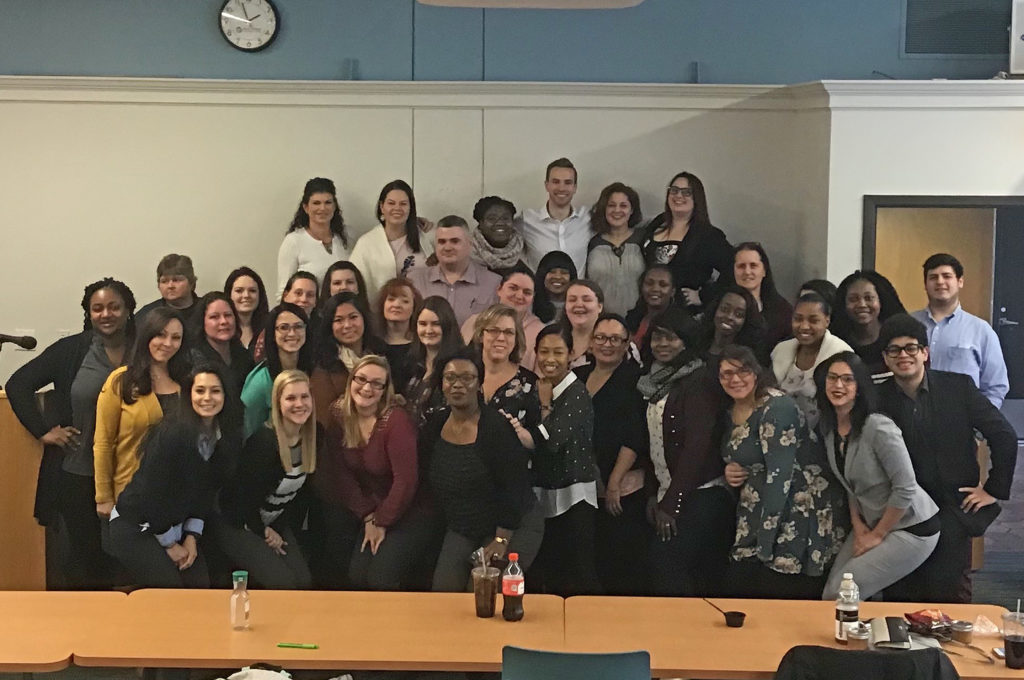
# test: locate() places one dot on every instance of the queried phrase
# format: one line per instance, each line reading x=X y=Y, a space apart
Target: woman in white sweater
x=396 y=245
x=316 y=238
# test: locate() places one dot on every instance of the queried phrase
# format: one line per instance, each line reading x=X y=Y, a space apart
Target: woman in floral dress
x=789 y=520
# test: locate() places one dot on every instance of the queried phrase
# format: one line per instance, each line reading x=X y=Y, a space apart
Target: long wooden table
x=688 y=638
x=354 y=631
x=40 y=631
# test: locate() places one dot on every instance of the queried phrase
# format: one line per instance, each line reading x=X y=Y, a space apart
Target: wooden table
x=40 y=631
x=355 y=631
x=687 y=638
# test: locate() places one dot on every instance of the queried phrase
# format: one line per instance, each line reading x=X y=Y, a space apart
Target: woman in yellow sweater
x=133 y=399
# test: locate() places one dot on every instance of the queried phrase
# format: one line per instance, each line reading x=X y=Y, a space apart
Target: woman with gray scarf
x=691 y=508
x=496 y=243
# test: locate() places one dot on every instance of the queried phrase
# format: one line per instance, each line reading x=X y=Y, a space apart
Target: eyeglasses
x=613 y=340
x=459 y=378
x=728 y=374
x=893 y=351
x=507 y=333
x=363 y=381
x=286 y=328
x=685 y=192
x=847 y=379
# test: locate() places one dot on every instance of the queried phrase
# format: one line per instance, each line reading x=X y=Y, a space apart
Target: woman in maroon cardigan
x=368 y=479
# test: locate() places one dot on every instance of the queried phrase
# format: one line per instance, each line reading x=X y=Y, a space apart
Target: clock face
x=249 y=25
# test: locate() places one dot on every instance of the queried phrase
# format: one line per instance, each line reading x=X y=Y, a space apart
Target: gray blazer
x=878 y=473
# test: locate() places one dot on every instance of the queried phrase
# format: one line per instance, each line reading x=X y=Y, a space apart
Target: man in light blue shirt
x=960 y=342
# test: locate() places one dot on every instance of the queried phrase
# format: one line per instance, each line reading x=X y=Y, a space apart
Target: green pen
x=298 y=645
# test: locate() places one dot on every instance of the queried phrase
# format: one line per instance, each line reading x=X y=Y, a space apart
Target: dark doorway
x=1008 y=294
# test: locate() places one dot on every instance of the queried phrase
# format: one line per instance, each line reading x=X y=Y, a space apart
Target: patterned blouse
x=518 y=398
x=792 y=512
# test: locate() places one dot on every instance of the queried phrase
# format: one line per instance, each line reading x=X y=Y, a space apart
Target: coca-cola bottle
x=513 y=588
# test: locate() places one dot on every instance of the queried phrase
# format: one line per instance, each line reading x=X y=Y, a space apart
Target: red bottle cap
x=513 y=557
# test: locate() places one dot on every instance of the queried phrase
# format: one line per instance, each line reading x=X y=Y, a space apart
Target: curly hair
x=888 y=300
x=319 y=185
x=485 y=204
x=122 y=290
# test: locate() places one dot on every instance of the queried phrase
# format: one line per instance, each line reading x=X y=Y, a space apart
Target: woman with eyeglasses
x=895 y=522
x=684 y=238
x=301 y=291
x=480 y=478
x=620 y=444
x=367 y=480
x=692 y=512
x=286 y=348
x=791 y=516
x=753 y=271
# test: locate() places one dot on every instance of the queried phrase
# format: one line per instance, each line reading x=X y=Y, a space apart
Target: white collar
x=569 y=379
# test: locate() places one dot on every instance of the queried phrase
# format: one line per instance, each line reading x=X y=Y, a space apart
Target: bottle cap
x=848 y=575
x=513 y=557
x=240 y=574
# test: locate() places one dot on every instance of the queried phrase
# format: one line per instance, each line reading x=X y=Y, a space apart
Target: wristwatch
x=499 y=539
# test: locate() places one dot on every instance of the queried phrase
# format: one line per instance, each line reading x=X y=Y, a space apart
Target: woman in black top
x=733 y=318
x=479 y=477
x=77 y=366
x=246 y=290
x=397 y=304
x=620 y=441
x=258 y=505
x=753 y=271
x=217 y=341
x=864 y=300
x=684 y=238
x=437 y=335
x=657 y=292
x=158 y=521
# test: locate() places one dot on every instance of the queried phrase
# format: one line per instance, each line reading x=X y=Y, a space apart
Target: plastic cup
x=486 y=583
x=735 y=619
x=1013 y=639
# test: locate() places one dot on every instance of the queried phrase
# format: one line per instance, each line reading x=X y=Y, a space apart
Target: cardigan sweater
x=120 y=428
x=784 y=353
x=300 y=251
x=373 y=256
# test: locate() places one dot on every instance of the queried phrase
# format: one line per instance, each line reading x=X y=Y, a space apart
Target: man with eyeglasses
x=960 y=342
x=938 y=413
x=558 y=225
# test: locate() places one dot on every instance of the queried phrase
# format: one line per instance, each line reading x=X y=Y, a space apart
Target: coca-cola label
x=513 y=586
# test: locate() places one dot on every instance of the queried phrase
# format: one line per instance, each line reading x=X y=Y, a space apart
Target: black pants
x=565 y=563
x=751 y=579
x=946 y=575
x=87 y=566
x=267 y=569
x=620 y=545
x=693 y=562
x=147 y=561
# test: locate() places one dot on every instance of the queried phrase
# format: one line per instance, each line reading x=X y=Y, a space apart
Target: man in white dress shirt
x=558 y=225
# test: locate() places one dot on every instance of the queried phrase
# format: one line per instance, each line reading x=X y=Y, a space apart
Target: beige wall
x=905 y=237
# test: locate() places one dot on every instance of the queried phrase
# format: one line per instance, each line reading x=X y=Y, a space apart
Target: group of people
x=631 y=406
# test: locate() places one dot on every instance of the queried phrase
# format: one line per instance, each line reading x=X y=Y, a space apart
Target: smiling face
x=730 y=315
x=942 y=286
x=553 y=358
x=496 y=225
x=452 y=247
x=609 y=342
x=302 y=293
x=618 y=211
x=107 y=312
x=556 y=281
x=296 y=403
x=367 y=387
x=207 y=396
x=666 y=345
x=460 y=383
x=395 y=208
x=398 y=305
x=517 y=292
x=862 y=304
x=498 y=339
x=167 y=342
x=809 y=323
x=749 y=270
x=289 y=332
x=841 y=386
x=245 y=293
x=737 y=380
x=343 y=281
x=219 y=321
x=657 y=289
x=680 y=196
x=428 y=329
x=582 y=306
x=348 y=325
x=320 y=208
x=905 y=358
x=561 y=187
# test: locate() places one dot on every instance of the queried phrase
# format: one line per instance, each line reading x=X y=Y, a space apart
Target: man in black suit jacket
x=939 y=413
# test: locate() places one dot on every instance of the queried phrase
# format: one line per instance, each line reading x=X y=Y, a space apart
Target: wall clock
x=249 y=25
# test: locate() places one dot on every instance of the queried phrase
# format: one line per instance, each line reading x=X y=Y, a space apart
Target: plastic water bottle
x=513 y=588
x=240 y=601
x=847 y=607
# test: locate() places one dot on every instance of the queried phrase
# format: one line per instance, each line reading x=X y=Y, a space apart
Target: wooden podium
x=23 y=558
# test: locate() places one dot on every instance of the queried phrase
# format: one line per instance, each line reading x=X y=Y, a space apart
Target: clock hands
x=236 y=18
x=244 y=11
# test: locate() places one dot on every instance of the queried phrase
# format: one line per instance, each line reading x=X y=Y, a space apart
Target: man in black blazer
x=939 y=413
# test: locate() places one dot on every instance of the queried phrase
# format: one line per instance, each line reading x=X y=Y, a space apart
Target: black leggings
x=147 y=561
x=565 y=564
x=87 y=566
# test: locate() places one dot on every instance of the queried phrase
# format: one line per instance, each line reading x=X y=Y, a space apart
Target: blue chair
x=531 y=664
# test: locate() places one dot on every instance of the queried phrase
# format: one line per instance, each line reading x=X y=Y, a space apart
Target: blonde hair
x=488 y=317
x=307 y=433
x=346 y=411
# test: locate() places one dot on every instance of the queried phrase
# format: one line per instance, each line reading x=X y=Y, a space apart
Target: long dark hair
x=271 y=351
x=769 y=292
x=259 y=315
x=186 y=413
x=412 y=227
x=888 y=301
x=123 y=291
x=136 y=381
x=700 y=204
x=319 y=185
x=864 y=404
x=598 y=217
x=451 y=334
x=325 y=287
x=542 y=305
x=204 y=304
x=327 y=345
x=751 y=334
